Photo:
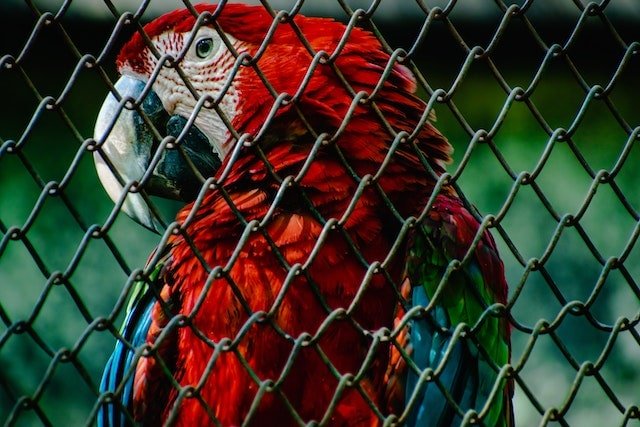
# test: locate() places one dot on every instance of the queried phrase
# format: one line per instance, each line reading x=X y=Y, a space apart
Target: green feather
x=464 y=296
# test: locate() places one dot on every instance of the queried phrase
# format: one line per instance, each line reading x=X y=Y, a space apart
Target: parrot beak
x=130 y=145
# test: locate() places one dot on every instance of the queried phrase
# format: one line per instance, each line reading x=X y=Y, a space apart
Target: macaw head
x=201 y=80
x=183 y=64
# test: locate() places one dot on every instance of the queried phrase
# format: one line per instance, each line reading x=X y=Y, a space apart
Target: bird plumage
x=255 y=340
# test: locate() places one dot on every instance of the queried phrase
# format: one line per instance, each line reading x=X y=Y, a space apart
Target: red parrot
x=323 y=276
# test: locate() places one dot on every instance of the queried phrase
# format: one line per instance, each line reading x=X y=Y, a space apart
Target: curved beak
x=130 y=145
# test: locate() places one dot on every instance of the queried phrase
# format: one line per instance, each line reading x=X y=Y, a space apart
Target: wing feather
x=446 y=235
x=119 y=371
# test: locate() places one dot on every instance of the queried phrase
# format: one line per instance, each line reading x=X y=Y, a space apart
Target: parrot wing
x=120 y=369
x=446 y=234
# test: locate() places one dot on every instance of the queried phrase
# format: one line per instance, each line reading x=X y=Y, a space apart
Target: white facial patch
x=207 y=65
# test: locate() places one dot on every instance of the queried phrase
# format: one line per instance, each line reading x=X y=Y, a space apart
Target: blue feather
x=122 y=361
x=430 y=339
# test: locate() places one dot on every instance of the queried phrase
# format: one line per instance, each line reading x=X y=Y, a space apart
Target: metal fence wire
x=550 y=162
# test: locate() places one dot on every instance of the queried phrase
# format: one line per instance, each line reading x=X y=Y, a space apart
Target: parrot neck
x=281 y=181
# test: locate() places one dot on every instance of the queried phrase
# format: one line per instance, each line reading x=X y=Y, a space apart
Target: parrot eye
x=204 y=47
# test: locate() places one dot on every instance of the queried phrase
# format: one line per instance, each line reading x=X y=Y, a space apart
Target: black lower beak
x=178 y=173
x=183 y=166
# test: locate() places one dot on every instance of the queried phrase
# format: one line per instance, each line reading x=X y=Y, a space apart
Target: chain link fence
x=543 y=112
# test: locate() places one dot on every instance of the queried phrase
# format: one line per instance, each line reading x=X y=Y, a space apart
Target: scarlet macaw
x=324 y=274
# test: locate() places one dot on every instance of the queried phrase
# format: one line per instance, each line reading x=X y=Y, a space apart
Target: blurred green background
x=49 y=149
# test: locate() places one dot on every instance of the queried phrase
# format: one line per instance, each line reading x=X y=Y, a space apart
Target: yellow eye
x=204 y=47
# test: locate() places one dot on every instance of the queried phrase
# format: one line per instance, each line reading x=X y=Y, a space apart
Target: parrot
x=321 y=270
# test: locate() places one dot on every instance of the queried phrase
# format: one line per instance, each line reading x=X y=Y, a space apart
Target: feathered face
x=205 y=64
x=176 y=101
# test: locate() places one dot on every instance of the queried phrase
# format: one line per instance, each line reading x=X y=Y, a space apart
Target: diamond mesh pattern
x=546 y=148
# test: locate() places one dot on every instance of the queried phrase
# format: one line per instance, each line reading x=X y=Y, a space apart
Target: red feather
x=217 y=307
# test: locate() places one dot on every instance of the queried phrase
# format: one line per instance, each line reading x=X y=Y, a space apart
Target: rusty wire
x=436 y=97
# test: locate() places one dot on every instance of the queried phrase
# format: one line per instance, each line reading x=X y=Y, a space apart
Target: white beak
x=127 y=154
